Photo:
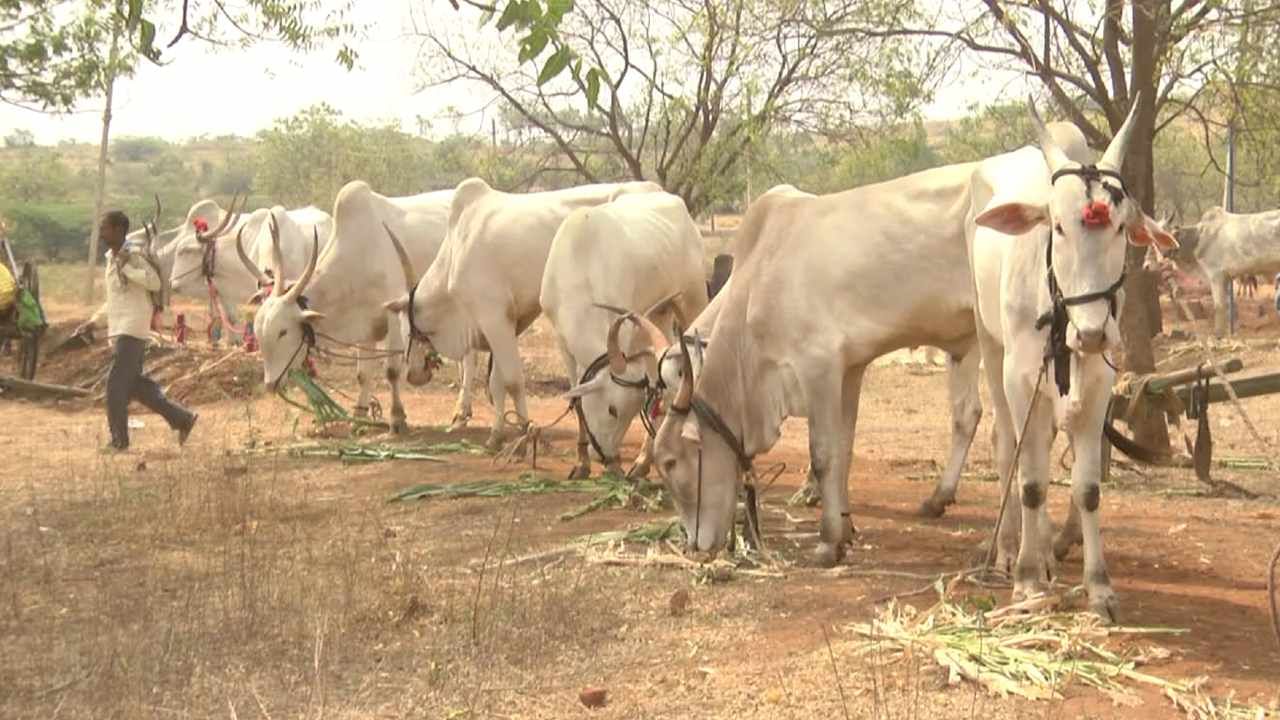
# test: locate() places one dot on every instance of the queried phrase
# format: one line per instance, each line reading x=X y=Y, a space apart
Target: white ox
x=344 y=291
x=823 y=286
x=482 y=291
x=1224 y=246
x=639 y=251
x=1068 y=226
x=206 y=264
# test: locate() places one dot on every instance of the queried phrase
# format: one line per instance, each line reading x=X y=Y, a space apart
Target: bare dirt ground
x=219 y=582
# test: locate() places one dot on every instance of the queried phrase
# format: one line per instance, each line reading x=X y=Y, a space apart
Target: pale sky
x=207 y=90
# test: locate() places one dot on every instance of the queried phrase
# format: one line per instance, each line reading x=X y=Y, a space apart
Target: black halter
x=307 y=343
x=708 y=416
x=1056 y=317
x=650 y=391
x=209 y=259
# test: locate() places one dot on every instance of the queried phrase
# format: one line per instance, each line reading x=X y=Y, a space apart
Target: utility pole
x=109 y=85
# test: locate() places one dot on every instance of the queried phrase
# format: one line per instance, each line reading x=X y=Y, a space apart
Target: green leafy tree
x=20 y=138
x=35 y=175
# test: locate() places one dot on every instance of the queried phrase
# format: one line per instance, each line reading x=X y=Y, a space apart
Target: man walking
x=129 y=278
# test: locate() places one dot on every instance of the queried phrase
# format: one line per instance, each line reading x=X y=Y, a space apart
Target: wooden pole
x=1245 y=388
x=1229 y=205
x=100 y=192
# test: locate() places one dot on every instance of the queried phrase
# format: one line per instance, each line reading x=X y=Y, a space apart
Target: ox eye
x=668 y=466
x=613 y=412
x=1057 y=227
x=283 y=333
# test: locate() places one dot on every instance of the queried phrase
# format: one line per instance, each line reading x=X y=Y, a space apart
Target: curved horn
x=406 y=265
x=156 y=219
x=227 y=220
x=249 y=264
x=277 y=258
x=684 y=396
x=1113 y=158
x=296 y=291
x=617 y=359
x=1053 y=154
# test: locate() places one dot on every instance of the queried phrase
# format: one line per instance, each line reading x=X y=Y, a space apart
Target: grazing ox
x=482 y=290
x=339 y=298
x=639 y=251
x=1047 y=237
x=823 y=286
x=1223 y=246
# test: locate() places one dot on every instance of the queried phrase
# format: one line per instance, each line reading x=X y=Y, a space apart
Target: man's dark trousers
x=126 y=382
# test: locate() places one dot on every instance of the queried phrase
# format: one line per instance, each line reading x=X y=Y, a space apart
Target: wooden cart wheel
x=31 y=342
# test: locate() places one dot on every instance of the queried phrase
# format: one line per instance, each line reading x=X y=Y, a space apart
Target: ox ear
x=398 y=305
x=1145 y=231
x=690 y=430
x=1013 y=218
x=311 y=316
x=595 y=384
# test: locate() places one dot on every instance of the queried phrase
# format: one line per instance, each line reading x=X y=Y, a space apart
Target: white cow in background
x=208 y=258
x=483 y=289
x=340 y=297
x=1039 y=218
x=1223 y=246
x=638 y=251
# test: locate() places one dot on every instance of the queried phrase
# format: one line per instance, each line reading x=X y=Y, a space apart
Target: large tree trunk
x=1137 y=324
x=100 y=192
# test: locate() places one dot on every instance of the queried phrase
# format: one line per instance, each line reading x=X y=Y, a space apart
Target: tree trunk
x=100 y=192
x=1137 y=323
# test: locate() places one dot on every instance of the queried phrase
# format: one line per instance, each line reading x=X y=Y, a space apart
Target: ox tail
x=1132 y=449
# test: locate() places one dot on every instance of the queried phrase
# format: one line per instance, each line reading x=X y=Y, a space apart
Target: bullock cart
x=21 y=317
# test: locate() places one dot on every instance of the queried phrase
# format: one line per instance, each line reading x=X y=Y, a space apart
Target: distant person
x=129 y=279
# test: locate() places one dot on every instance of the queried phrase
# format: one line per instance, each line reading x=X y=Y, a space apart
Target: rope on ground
x=530 y=437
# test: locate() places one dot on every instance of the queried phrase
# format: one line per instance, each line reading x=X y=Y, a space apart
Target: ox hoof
x=361 y=411
x=828 y=554
x=399 y=426
x=458 y=422
x=580 y=472
x=1103 y=603
x=494 y=443
x=934 y=508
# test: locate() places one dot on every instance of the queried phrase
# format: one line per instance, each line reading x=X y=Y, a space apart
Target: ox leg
x=640 y=470
x=366 y=387
x=583 y=468
x=1086 y=495
x=833 y=422
x=508 y=376
x=1002 y=444
x=462 y=410
x=966 y=413
x=395 y=361
x=1221 y=298
x=1032 y=569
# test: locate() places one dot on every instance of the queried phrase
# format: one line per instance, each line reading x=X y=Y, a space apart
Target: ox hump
x=466 y=195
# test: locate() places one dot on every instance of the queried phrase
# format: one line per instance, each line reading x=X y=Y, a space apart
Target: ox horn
x=1113 y=158
x=249 y=264
x=1053 y=155
x=277 y=257
x=295 y=292
x=406 y=265
x=229 y=218
x=155 y=220
x=684 y=396
x=617 y=358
